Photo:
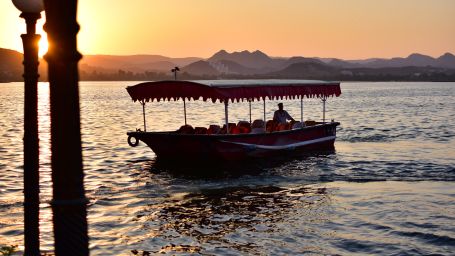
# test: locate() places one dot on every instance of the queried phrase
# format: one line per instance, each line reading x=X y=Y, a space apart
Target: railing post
x=324 y=99
x=184 y=109
x=265 y=120
x=143 y=115
x=69 y=204
x=226 y=103
x=249 y=101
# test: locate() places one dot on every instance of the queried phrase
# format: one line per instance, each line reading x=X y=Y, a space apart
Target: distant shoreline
x=245 y=65
x=341 y=81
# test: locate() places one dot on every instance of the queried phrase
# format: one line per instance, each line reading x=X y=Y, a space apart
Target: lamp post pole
x=31 y=10
x=31 y=142
x=69 y=204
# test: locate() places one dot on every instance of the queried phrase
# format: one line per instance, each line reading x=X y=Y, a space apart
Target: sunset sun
x=43 y=45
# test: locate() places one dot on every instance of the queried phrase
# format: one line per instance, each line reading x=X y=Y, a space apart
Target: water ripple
x=387 y=188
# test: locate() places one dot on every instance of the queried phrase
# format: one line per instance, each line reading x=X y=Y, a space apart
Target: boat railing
x=244 y=127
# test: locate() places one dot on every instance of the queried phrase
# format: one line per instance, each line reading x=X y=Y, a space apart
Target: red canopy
x=225 y=90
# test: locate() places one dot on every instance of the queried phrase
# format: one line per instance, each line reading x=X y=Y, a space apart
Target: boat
x=242 y=140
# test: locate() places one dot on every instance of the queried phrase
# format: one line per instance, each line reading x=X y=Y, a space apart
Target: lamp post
x=31 y=10
x=69 y=204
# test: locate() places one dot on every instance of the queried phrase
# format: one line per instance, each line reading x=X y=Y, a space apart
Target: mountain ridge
x=243 y=64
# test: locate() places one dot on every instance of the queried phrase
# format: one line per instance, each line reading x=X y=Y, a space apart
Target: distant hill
x=135 y=63
x=343 y=63
x=446 y=60
x=298 y=59
x=306 y=70
x=260 y=63
x=418 y=60
x=159 y=66
x=257 y=59
x=327 y=72
x=232 y=67
x=245 y=65
x=11 y=68
x=200 y=68
x=412 y=60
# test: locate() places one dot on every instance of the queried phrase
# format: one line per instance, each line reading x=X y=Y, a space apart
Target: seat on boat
x=200 y=130
x=258 y=126
x=232 y=129
x=244 y=126
x=258 y=123
x=271 y=126
x=243 y=129
x=186 y=129
x=213 y=129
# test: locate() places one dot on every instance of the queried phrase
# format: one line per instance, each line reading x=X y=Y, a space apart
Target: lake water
x=388 y=188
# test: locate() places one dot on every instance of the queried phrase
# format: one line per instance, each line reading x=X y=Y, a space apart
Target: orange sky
x=348 y=29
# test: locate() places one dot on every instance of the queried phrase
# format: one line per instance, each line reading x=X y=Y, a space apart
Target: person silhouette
x=281 y=116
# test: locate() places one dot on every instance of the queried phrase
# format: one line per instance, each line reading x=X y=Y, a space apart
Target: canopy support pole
x=226 y=103
x=301 y=109
x=324 y=99
x=264 y=115
x=249 y=101
x=143 y=114
x=184 y=109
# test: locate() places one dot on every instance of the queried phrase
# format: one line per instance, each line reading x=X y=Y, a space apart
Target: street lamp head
x=29 y=6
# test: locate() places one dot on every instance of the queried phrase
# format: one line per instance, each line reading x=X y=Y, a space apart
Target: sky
x=347 y=29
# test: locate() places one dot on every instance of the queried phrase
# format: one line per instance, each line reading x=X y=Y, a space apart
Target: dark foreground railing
x=69 y=201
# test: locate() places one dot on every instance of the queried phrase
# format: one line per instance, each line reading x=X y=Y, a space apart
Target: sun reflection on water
x=228 y=216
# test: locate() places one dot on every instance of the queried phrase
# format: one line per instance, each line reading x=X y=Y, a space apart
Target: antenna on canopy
x=324 y=99
x=143 y=114
x=175 y=70
x=249 y=102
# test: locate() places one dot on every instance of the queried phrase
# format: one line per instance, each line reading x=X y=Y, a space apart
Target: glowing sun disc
x=43 y=45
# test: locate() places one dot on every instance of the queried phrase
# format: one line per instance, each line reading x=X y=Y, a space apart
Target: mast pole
x=249 y=101
x=143 y=114
x=301 y=109
x=264 y=115
x=226 y=103
x=184 y=109
x=324 y=98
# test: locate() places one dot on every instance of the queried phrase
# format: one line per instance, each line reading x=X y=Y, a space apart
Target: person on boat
x=281 y=116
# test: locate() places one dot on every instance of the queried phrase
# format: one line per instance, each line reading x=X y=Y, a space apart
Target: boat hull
x=197 y=147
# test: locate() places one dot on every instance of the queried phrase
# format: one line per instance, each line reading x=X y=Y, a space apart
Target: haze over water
x=388 y=188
